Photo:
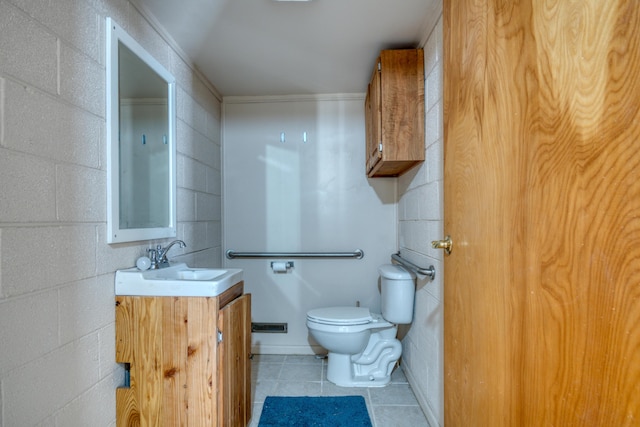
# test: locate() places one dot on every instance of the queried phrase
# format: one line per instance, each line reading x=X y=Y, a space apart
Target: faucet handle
x=153 y=256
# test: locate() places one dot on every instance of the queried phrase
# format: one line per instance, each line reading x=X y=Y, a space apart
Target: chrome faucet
x=158 y=255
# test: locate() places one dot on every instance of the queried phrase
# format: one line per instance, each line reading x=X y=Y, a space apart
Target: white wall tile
x=85 y=307
x=214 y=181
x=433 y=86
x=217 y=157
x=204 y=96
x=194 y=175
x=37 y=124
x=186 y=205
x=412 y=205
x=402 y=215
x=207 y=151
x=211 y=258
x=82 y=80
x=433 y=123
x=438 y=34
x=76 y=196
x=61 y=254
x=411 y=179
x=190 y=112
x=435 y=161
x=96 y=404
x=109 y=258
x=107 y=339
x=30 y=54
x=181 y=71
x=44 y=386
x=214 y=232
x=213 y=123
x=423 y=344
x=430 y=202
x=23 y=341
x=197 y=146
x=118 y=10
x=196 y=234
x=148 y=38
x=207 y=207
x=74 y=21
x=27 y=193
x=431 y=54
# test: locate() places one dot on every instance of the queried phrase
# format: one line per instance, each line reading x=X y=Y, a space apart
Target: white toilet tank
x=398 y=290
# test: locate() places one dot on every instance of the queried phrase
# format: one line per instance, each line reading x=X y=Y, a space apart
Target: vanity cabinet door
x=234 y=364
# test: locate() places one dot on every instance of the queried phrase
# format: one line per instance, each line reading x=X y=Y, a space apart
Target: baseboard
x=432 y=419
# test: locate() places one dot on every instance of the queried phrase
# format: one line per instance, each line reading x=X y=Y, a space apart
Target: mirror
x=141 y=142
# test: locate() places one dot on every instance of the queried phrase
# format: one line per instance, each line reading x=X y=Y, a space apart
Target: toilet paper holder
x=281 y=266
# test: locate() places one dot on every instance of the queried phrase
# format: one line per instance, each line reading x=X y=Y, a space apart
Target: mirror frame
x=116 y=234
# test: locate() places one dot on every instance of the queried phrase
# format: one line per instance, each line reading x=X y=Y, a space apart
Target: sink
x=178 y=280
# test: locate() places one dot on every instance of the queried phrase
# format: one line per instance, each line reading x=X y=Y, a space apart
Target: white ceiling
x=266 y=47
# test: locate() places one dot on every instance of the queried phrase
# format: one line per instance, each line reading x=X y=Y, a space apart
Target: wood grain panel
x=542 y=199
x=175 y=400
x=201 y=361
x=234 y=365
x=127 y=413
x=247 y=398
x=147 y=365
x=224 y=378
x=125 y=329
x=230 y=294
x=373 y=120
x=402 y=104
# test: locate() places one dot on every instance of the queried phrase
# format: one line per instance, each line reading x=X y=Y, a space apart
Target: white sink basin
x=178 y=280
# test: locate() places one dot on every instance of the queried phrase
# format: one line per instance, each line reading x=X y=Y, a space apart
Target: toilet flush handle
x=446 y=244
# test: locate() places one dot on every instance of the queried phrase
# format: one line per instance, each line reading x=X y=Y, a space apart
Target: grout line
x=372 y=413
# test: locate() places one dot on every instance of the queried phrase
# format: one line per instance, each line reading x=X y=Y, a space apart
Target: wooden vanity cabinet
x=394 y=113
x=189 y=360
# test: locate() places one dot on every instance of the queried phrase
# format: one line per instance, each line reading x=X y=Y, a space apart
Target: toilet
x=362 y=346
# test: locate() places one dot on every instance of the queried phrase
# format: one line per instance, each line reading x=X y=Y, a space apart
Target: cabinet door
x=373 y=119
x=234 y=365
x=394 y=110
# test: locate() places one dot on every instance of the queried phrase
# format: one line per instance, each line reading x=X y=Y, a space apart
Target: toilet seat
x=345 y=320
x=340 y=316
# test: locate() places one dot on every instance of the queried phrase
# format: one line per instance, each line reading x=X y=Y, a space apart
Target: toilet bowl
x=362 y=346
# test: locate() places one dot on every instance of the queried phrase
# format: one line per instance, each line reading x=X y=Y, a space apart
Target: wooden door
x=234 y=365
x=542 y=201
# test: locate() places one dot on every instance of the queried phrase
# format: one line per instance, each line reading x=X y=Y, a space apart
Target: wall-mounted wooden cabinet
x=188 y=357
x=394 y=113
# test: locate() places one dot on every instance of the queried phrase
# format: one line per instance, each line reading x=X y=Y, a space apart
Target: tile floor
x=284 y=375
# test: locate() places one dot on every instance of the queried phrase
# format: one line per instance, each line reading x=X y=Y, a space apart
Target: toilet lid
x=340 y=315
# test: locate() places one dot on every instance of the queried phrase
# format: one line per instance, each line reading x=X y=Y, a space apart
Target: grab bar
x=429 y=271
x=358 y=254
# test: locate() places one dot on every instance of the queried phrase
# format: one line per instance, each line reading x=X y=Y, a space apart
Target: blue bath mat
x=325 y=411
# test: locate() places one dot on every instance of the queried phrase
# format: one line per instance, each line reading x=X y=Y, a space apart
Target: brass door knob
x=446 y=244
